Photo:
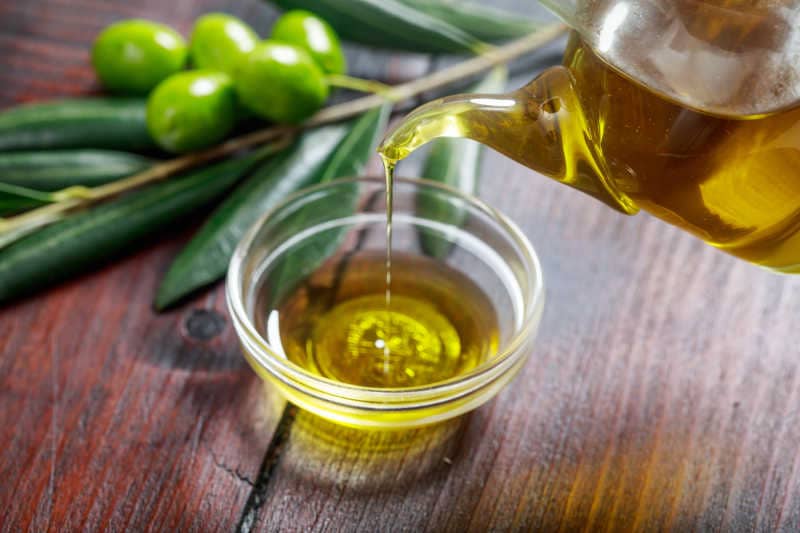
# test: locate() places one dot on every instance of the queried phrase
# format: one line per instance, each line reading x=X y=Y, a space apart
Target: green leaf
x=319 y=155
x=21 y=230
x=454 y=162
x=57 y=169
x=14 y=198
x=348 y=160
x=482 y=22
x=112 y=123
x=81 y=241
x=205 y=259
x=389 y=24
x=354 y=151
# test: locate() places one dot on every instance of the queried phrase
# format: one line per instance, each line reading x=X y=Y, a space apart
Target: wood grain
x=115 y=418
x=661 y=395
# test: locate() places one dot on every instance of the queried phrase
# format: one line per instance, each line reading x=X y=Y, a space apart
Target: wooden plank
x=113 y=417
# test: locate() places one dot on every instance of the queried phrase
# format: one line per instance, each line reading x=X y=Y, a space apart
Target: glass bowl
x=334 y=220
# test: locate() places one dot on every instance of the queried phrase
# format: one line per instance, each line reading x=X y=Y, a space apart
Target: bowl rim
x=327 y=389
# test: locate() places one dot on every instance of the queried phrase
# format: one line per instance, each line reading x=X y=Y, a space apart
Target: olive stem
x=73 y=198
x=358 y=84
x=11 y=228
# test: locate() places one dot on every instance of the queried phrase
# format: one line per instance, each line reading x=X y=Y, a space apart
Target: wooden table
x=663 y=391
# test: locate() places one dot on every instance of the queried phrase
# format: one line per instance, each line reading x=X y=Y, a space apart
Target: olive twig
x=11 y=227
x=358 y=84
x=15 y=227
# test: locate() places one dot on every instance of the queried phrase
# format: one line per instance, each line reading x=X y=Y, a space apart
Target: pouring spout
x=540 y=126
x=461 y=116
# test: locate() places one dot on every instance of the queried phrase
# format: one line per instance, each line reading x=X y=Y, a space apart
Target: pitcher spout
x=462 y=116
x=540 y=126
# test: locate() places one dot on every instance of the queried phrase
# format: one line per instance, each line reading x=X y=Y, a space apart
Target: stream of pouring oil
x=389 y=167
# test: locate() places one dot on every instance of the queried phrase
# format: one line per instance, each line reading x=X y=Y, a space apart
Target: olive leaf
x=482 y=22
x=205 y=259
x=80 y=241
x=7 y=236
x=317 y=156
x=454 y=162
x=348 y=160
x=389 y=24
x=57 y=169
x=112 y=123
x=14 y=198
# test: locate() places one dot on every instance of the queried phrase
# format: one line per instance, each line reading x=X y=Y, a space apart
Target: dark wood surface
x=662 y=393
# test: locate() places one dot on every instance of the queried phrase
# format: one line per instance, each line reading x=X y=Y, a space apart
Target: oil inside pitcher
x=728 y=173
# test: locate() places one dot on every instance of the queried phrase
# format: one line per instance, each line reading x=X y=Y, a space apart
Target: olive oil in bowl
x=439 y=324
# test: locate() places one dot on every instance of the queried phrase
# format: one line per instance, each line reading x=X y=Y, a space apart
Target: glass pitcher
x=688 y=109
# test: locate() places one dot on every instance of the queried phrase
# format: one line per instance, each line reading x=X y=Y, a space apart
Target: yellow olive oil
x=337 y=324
x=732 y=181
x=389 y=168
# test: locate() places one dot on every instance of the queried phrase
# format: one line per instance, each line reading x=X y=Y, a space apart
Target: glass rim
x=362 y=397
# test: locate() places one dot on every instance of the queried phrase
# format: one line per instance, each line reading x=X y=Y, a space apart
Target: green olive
x=133 y=56
x=280 y=82
x=220 y=41
x=191 y=110
x=316 y=36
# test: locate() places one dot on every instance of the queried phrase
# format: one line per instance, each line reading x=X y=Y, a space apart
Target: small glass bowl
x=344 y=216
